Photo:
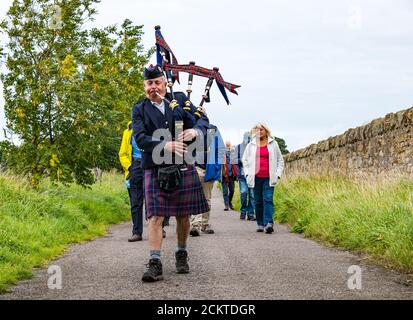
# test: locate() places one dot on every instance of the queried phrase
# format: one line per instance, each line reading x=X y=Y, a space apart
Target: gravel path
x=234 y=263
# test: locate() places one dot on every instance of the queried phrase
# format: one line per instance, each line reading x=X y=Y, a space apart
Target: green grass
x=236 y=201
x=36 y=227
x=369 y=215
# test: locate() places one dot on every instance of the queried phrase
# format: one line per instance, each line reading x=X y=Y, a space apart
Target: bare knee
x=156 y=221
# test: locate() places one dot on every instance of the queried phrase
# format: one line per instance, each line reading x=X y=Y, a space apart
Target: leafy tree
x=283 y=146
x=115 y=73
x=4 y=150
x=68 y=91
x=8 y=155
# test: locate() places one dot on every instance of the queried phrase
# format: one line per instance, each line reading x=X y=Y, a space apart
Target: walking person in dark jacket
x=130 y=158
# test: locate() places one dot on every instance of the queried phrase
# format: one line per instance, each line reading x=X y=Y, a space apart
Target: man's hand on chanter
x=177 y=147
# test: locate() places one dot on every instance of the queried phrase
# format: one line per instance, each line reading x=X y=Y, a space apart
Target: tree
x=5 y=149
x=68 y=91
x=283 y=146
x=115 y=72
x=8 y=155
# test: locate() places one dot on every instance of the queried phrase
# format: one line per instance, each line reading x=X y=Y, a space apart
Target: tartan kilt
x=188 y=199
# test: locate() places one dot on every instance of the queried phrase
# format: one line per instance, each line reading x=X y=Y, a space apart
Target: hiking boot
x=181 y=261
x=135 y=237
x=194 y=232
x=208 y=231
x=154 y=272
x=269 y=228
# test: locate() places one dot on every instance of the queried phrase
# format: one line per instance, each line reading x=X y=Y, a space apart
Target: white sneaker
x=269 y=228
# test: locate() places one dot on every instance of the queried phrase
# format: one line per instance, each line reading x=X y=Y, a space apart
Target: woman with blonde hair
x=263 y=166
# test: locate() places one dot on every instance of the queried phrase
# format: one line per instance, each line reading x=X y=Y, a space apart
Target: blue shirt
x=136 y=152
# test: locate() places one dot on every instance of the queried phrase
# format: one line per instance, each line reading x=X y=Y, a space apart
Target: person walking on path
x=209 y=171
x=229 y=175
x=130 y=158
x=246 y=193
x=263 y=166
x=170 y=189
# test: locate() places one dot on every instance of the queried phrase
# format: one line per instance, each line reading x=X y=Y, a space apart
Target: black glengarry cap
x=153 y=72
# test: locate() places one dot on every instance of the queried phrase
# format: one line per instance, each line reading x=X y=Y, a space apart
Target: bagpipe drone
x=167 y=59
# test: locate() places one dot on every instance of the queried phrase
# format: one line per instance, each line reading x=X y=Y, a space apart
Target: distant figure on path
x=229 y=175
x=263 y=167
x=246 y=193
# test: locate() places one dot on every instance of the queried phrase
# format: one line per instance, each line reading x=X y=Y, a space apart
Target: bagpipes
x=169 y=63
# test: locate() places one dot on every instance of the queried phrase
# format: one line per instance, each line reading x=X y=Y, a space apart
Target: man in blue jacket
x=209 y=171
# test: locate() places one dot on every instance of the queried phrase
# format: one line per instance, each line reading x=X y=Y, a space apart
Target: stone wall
x=383 y=145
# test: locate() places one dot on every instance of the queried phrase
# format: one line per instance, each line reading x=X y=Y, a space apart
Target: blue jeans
x=247 y=198
x=228 y=187
x=264 y=201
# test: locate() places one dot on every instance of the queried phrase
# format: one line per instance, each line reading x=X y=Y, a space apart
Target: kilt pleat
x=188 y=199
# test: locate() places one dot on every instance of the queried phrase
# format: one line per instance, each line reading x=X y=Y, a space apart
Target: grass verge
x=37 y=226
x=373 y=215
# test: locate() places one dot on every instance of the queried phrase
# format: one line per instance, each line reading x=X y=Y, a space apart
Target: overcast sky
x=309 y=69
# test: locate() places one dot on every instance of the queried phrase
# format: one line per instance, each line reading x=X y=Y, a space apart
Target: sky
x=308 y=69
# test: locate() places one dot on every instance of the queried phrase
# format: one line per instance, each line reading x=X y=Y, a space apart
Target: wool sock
x=181 y=247
x=156 y=254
